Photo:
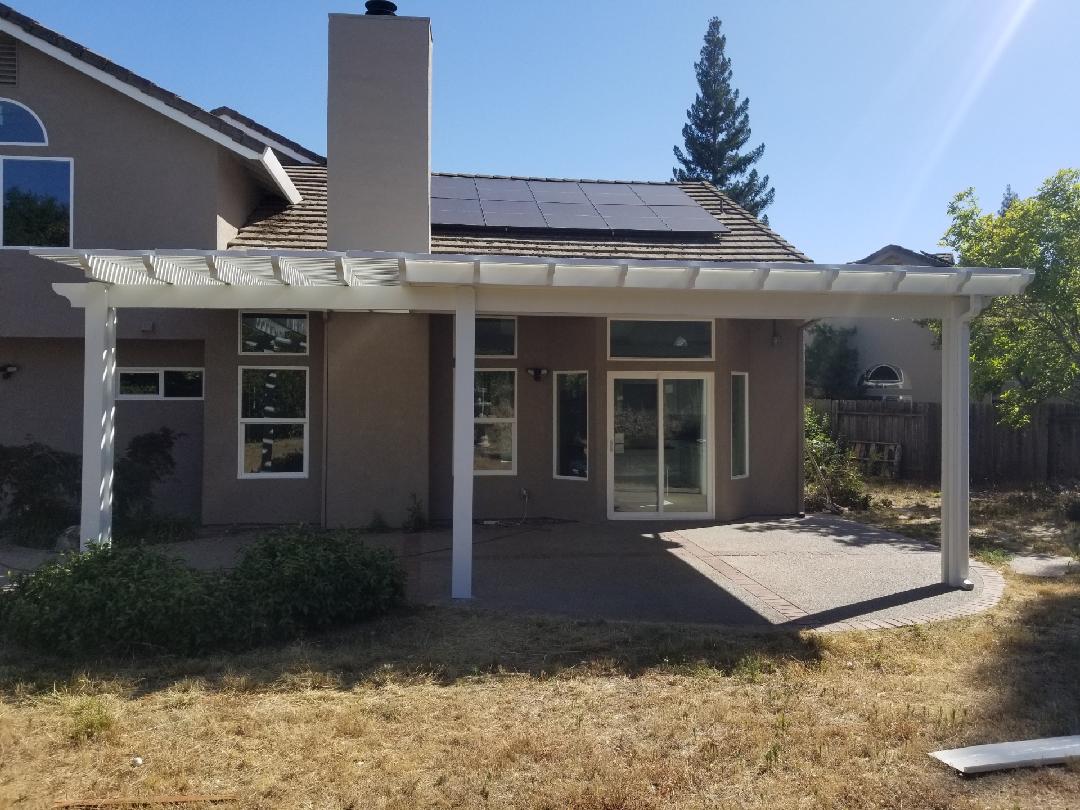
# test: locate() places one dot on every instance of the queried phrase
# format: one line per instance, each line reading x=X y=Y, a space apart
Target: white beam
x=955 y=442
x=99 y=413
x=464 y=372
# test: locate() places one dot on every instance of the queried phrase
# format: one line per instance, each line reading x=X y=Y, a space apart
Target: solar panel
x=460 y=188
x=656 y=194
x=503 y=189
x=511 y=203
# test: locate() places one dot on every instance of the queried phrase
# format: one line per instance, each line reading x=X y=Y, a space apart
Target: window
x=273 y=422
x=572 y=425
x=884 y=374
x=19 y=125
x=37 y=201
x=495 y=422
x=273 y=333
x=669 y=340
x=496 y=337
x=160 y=383
x=740 y=424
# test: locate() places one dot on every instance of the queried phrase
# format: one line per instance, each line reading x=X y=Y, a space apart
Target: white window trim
x=555 y=427
x=501 y=356
x=242 y=421
x=619 y=359
x=160 y=371
x=746 y=427
x=36 y=117
x=500 y=420
x=287 y=312
x=71 y=196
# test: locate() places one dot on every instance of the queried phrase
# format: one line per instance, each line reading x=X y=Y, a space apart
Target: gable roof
x=903 y=255
x=141 y=89
x=299 y=154
x=747 y=239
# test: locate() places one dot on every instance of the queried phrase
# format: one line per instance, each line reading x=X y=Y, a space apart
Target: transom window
x=160 y=383
x=37 y=201
x=273 y=422
x=495 y=422
x=660 y=340
x=496 y=337
x=273 y=333
x=20 y=125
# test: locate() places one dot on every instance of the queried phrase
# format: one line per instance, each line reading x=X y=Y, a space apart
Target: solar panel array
x=484 y=202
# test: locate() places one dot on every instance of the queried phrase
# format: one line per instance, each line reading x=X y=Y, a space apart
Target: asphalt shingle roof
x=303 y=226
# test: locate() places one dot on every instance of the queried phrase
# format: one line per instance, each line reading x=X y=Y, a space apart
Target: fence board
x=1048 y=449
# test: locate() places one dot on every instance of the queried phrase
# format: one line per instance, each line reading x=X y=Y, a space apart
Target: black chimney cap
x=380 y=8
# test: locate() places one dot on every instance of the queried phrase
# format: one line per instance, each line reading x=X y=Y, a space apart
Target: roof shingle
x=303 y=226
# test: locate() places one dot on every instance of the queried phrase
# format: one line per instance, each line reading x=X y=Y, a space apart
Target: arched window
x=19 y=125
x=883 y=374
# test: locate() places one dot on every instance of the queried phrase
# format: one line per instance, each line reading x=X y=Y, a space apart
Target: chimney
x=378 y=134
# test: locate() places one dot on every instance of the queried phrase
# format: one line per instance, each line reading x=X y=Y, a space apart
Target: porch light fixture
x=7 y=371
x=537 y=373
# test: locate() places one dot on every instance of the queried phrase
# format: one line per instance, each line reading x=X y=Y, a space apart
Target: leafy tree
x=832 y=363
x=1026 y=349
x=717 y=129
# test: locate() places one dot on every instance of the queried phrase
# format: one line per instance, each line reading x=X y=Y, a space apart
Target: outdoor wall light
x=7 y=370
x=537 y=374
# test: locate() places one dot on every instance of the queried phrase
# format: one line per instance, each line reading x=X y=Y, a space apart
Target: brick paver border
x=791 y=615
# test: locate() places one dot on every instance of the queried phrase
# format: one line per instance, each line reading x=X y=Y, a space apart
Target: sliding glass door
x=658 y=445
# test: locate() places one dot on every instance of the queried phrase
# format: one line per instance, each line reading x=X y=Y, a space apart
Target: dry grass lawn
x=458 y=708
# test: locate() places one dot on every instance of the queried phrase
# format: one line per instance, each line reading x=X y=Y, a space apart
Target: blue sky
x=873 y=113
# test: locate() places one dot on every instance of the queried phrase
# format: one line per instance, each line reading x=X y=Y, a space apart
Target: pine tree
x=717 y=129
x=1007 y=199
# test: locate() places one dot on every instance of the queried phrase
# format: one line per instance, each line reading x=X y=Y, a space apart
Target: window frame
x=617 y=358
x=36 y=117
x=160 y=371
x=555 y=427
x=242 y=421
x=498 y=420
x=240 y=313
x=71 y=197
x=513 y=356
x=746 y=427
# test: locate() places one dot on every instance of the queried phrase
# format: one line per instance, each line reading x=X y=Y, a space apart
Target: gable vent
x=9 y=61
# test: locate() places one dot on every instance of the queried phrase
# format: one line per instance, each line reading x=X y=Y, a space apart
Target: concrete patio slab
x=1042 y=565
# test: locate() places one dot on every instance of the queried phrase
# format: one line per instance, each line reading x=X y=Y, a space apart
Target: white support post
x=464 y=373
x=955 y=442
x=99 y=413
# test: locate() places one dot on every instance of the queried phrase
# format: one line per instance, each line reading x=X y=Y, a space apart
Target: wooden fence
x=1047 y=450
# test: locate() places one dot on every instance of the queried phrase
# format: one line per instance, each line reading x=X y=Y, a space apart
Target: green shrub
x=116 y=601
x=415 y=517
x=122 y=601
x=830 y=470
x=39 y=487
x=299 y=581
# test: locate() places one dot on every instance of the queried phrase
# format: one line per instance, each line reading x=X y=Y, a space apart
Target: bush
x=123 y=601
x=39 y=487
x=110 y=600
x=299 y=581
x=831 y=471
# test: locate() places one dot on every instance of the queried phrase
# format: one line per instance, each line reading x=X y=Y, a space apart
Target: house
x=898 y=358
x=338 y=336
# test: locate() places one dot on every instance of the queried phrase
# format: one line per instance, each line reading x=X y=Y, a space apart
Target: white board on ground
x=1020 y=754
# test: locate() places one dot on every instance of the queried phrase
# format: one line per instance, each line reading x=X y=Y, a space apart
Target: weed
x=88 y=718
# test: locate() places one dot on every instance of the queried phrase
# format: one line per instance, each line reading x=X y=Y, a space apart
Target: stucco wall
x=377 y=417
x=576 y=344
x=42 y=402
x=226 y=498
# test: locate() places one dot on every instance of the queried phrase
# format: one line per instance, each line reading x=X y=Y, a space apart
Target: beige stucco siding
x=579 y=344
x=377 y=419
